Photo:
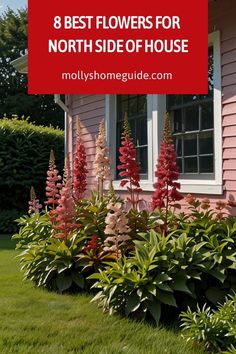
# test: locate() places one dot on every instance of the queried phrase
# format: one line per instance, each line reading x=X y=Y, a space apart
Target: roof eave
x=21 y=64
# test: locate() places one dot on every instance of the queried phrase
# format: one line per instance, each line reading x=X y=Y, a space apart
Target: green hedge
x=24 y=155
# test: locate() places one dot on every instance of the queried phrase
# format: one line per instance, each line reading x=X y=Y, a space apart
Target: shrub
x=7 y=221
x=162 y=267
x=52 y=263
x=141 y=284
x=216 y=329
x=24 y=153
x=32 y=229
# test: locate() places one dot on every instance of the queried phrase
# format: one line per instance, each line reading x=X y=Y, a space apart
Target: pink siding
x=91 y=108
x=222 y=17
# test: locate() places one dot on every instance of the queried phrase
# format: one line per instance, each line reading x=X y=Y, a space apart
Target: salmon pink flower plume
x=129 y=166
x=102 y=165
x=167 y=173
x=63 y=217
x=80 y=167
x=116 y=227
x=53 y=185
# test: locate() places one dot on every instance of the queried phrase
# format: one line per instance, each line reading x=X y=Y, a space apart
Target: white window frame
x=156 y=107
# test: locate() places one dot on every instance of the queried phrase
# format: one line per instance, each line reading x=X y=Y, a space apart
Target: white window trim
x=156 y=107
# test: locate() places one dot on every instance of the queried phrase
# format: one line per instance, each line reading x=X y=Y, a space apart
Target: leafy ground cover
x=36 y=321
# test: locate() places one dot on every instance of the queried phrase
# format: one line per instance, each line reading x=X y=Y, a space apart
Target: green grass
x=34 y=321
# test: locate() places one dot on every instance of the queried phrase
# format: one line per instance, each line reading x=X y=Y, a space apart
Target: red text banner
x=130 y=47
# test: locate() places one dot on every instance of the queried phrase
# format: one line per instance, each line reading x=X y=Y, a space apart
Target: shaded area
x=6 y=243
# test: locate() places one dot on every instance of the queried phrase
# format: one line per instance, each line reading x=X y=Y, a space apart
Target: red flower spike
x=167 y=173
x=129 y=166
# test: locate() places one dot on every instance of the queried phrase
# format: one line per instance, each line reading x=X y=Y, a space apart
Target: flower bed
x=139 y=263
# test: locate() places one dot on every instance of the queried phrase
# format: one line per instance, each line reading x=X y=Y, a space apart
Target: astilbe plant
x=102 y=168
x=63 y=217
x=166 y=188
x=34 y=205
x=116 y=227
x=129 y=167
x=80 y=167
x=53 y=184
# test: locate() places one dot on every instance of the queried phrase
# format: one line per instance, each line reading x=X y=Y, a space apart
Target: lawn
x=35 y=321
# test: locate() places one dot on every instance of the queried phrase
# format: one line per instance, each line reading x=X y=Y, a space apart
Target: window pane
x=179 y=164
x=136 y=108
x=142 y=158
x=174 y=100
x=193 y=124
x=190 y=165
x=190 y=98
x=133 y=106
x=142 y=104
x=206 y=143
x=206 y=164
x=178 y=146
x=207 y=115
x=190 y=145
x=192 y=118
x=142 y=132
x=177 y=121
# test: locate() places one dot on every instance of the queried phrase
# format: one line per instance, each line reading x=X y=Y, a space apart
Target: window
x=192 y=120
x=196 y=126
x=136 y=108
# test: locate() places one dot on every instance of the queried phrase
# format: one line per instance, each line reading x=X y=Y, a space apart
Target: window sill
x=187 y=186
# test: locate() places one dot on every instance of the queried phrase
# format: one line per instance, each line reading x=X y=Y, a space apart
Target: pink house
x=204 y=126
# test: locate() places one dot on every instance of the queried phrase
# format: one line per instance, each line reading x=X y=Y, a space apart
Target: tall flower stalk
x=116 y=227
x=102 y=166
x=167 y=173
x=34 y=205
x=129 y=166
x=80 y=167
x=63 y=216
x=53 y=184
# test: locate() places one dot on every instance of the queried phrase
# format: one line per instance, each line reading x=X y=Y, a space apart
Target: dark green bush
x=7 y=224
x=24 y=154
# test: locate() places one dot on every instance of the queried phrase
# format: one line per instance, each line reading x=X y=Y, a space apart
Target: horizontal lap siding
x=228 y=61
x=91 y=110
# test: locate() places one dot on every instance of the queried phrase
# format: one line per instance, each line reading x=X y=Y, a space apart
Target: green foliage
x=24 y=154
x=91 y=214
x=52 y=264
x=33 y=228
x=215 y=328
x=141 y=284
x=14 y=98
x=182 y=262
x=7 y=221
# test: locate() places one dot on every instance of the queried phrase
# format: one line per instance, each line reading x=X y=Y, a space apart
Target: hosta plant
x=33 y=228
x=52 y=263
x=140 y=285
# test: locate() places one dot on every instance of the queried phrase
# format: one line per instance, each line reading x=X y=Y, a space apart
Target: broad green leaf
x=166 y=298
x=78 y=279
x=155 y=310
x=63 y=282
x=132 y=304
